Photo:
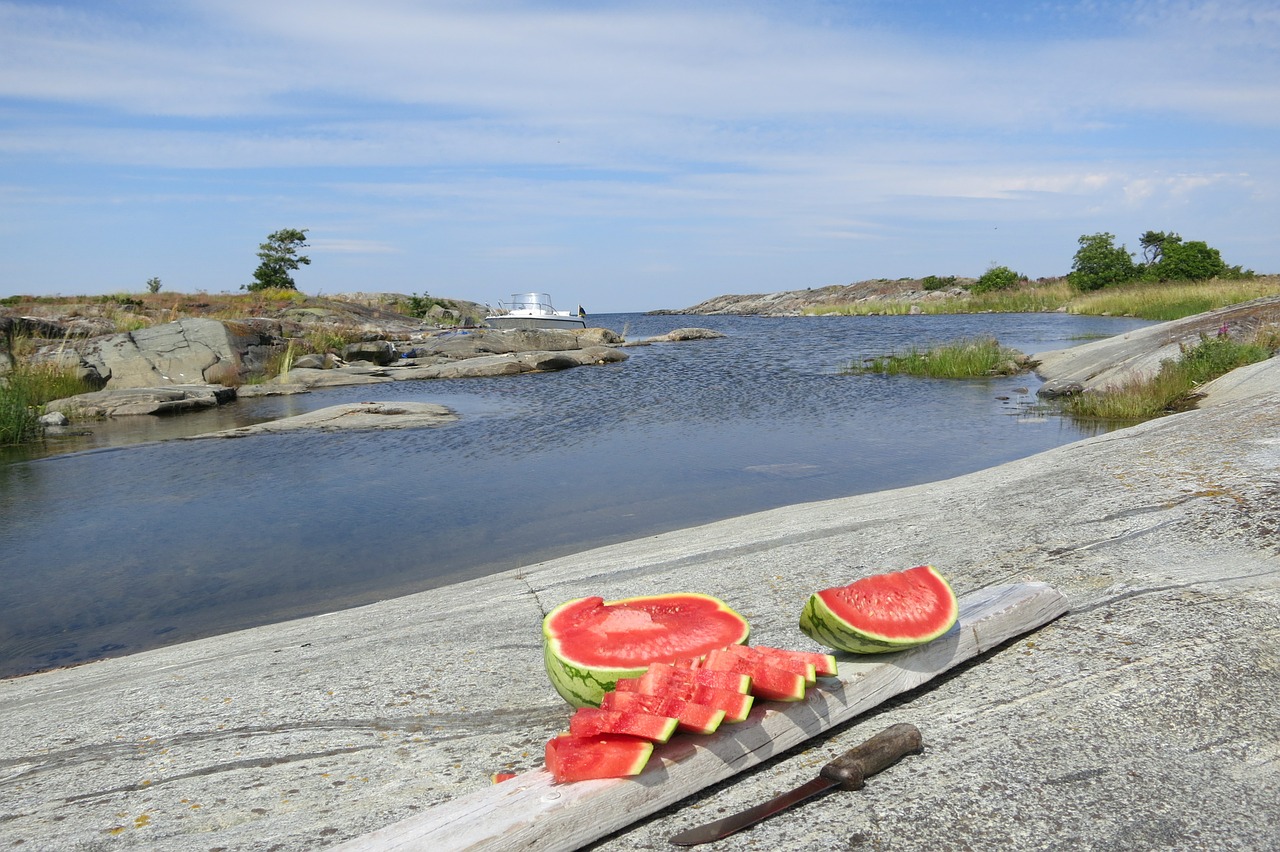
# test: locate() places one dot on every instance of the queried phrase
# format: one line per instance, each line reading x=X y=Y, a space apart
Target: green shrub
x=420 y=306
x=1099 y=263
x=934 y=282
x=1193 y=261
x=996 y=278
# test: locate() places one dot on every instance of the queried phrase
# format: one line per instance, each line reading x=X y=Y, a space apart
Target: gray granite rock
x=1142 y=719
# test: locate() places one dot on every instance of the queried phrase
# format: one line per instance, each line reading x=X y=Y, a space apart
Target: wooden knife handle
x=886 y=748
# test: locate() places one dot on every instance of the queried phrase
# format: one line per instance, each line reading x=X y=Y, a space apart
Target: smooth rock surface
x=349 y=417
x=1143 y=719
x=1110 y=362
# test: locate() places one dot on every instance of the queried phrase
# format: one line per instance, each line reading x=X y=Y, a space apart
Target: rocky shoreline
x=1141 y=719
x=791 y=303
x=195 y=363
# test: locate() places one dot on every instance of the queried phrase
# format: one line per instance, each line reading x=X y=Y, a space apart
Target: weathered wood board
x=531 y=812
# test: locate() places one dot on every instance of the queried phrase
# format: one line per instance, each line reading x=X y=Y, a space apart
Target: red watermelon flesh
x=636 y=631
x=882 y=613
x=775 y=658
x=824 y=665
x=736 y=705
x=664 y=673
x=692 y=718
x=571 y=758
x=593 y=721
x=767 y=681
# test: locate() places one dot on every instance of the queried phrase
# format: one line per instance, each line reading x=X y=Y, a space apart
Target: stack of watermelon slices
x=693 y=696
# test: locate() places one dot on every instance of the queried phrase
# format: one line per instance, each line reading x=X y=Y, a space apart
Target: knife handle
x=886 y=748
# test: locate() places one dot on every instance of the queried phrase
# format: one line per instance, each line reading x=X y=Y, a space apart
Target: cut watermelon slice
x=692 y=718
x=777 y=659
x=824 y=665
x=736 y=705
x=661 y=674
x=593 y=721
x=767 y=681
x=684 y=687
x=884 y=612
x=571 y=758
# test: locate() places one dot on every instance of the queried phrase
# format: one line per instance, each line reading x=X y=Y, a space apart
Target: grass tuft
x=24 y=390
x=1175 y=387
x=962 y=359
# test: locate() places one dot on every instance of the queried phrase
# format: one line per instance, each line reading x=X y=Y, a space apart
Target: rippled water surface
x=119 y=549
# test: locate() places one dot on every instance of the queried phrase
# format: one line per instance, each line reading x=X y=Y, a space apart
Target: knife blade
x=848 y=772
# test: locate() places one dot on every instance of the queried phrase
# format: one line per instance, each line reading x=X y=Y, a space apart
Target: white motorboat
x=534 y=310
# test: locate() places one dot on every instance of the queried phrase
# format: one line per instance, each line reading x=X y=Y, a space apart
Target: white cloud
x=530 y=131
x=351 y=246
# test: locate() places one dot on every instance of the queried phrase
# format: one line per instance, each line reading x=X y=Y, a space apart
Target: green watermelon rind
x=584 y=686
x=820 y=623
x=580 y=686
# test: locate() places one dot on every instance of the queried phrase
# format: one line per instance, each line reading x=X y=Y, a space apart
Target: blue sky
x=624 y=155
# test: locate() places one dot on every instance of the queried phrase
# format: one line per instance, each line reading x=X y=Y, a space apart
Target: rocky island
x=1142 y=718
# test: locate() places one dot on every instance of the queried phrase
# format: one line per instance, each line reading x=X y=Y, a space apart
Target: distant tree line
x=1099 y=262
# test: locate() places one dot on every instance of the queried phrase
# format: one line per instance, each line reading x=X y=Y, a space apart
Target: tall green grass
x=27 y=387
x=1173 y=300
x=961 y=359
x=1174 y=387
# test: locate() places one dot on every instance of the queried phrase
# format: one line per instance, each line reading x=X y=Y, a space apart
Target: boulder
x=312 y=361
x=477 y=342
x=187 y=351
x=691 y=334
x=351 y=417
x=170 y=399
x=380 y=352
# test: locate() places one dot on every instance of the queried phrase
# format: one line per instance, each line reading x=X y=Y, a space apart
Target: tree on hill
x=1192 y=261
x=279 y=256
x=1153 y=243
x=1100 y=263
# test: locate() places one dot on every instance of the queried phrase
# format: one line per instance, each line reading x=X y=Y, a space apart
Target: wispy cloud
x=565 y=130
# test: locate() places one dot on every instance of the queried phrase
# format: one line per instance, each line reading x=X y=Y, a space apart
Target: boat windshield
x=535 y=302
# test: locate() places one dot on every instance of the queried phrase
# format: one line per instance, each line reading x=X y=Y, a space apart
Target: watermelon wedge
x=668 y=681
x=571 y=758
x=589 y=644
x=767 y=681
x=594 y=721
x=881 y=613
x=691 y=717
x=778 y=659
x=661 y=675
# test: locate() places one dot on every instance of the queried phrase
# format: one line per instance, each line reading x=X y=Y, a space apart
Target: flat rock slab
x=350 y=417
x=1111 y=362
x=1145 y=718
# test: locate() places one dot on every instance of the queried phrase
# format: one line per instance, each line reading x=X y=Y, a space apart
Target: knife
x=847 y=772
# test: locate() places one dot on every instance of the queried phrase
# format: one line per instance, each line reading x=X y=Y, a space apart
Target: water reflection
x=118 y=550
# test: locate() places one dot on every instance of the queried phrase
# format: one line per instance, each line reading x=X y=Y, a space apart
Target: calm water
x=119 y=549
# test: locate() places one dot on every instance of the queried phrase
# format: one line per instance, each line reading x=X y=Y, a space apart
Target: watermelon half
x=884 y=612
x=589 y=644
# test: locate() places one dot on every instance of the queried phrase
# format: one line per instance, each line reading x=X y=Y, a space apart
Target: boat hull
x=513 y=321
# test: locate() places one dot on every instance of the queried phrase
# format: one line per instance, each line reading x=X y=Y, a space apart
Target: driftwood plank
x=531 y=812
